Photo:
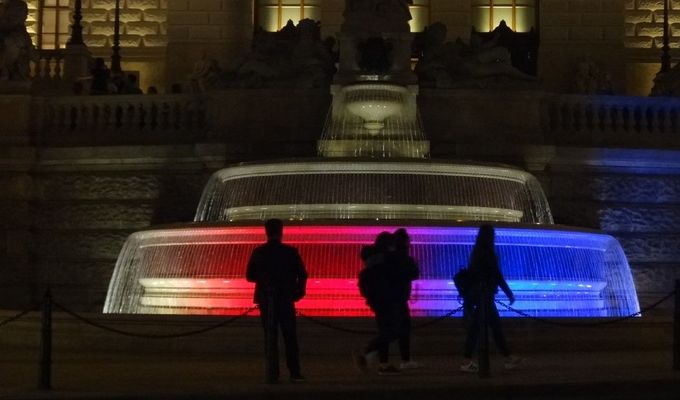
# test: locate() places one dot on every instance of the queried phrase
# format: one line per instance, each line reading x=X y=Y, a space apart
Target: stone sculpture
x=667 y=83
x=452 y=64
x=294 y=56
x=16 y=48
x=377 y=16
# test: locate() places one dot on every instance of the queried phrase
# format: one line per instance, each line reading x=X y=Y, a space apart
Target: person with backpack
x=378 y=284
x=478 y=286
x=406 y=269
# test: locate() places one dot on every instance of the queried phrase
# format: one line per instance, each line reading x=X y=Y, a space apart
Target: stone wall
x=576 y=30
x=219 y=29
x=143 y=22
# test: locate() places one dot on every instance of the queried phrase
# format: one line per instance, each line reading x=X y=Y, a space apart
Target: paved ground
x=643 y=375
x=561 y=364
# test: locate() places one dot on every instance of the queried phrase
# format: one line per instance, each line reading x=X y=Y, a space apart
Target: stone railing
x=119 y=119
x=611 y=120
x=295 y=117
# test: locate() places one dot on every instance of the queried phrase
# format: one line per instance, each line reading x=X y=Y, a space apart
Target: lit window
x=520 y=15
x=420 y=15
x=54 y=21
x=272 y=15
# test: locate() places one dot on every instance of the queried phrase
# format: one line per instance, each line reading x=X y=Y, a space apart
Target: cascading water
x=336 y=205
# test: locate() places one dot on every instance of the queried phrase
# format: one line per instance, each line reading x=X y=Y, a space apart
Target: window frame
x=40 y=34
x=279 y=6
x=514 y=7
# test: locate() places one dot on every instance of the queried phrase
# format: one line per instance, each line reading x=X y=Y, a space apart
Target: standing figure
x=16 y=48
x=484 y=279
x=280 y=280
x=378 y=284
x=407 y=271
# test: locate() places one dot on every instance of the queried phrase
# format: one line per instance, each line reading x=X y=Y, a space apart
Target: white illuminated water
x=332 y=207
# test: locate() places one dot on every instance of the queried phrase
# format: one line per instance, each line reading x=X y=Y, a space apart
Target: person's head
x=402 y=240
x=274 y=229
x=384 y=242
x=152 y=90
x=485 y=237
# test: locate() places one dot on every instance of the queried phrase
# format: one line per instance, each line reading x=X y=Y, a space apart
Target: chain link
x=151 y=335
x=366 y=332
x=17 y=316
x=587 y=324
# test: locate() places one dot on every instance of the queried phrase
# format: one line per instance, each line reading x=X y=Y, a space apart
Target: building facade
x=621 y=37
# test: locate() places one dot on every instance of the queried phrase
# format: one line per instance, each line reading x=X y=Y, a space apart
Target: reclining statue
x=448 y=64
x=16 y=48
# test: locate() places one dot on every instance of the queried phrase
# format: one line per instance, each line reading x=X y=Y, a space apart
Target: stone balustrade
x=297 y=117
x=612 y=120
x=119 y=119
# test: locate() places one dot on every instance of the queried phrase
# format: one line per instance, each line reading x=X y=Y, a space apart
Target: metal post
x=45 y=377
x=115 y=57
x=483 y=310
x=77 y=27
x=666 y=49
x=676 y=327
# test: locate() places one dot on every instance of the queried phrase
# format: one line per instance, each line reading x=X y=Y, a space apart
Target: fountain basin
x=199 y=269
x=374 y=103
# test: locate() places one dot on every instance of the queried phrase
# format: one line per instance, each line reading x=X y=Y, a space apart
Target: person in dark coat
x=280 y=281
x=485 y=277
x=379 y=286
x=406 y=269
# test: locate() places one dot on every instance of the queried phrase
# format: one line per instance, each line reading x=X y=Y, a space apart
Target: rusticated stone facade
x=644 y=23
x=143 y=22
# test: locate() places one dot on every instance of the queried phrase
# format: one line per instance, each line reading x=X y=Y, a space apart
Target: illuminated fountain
x=336 y=205
x=373 y=175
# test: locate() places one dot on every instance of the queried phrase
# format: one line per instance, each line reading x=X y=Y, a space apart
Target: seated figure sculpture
x=293 y=56
x=16 y=48
x=374 y=16
x=449 y=64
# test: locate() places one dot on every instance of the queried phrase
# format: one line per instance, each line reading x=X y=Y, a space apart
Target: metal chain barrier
x=366 y=332
x=151 y=335
x=587 y=324
x=18 y=316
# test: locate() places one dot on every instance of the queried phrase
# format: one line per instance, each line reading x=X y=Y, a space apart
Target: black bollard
x=483 y=309
x=676 y=327
x=45 y=377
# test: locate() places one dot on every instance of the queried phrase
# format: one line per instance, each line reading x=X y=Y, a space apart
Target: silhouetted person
x=379 y=286
x=130 y=86
x=152 y=90
x=485 y=277
x=407 y=271
x=280 y=280
x=100 y=77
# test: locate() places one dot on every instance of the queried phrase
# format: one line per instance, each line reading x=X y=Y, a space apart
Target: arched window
x=272 y=15
x=520 y=15
x=420 y=13
x=53 y=24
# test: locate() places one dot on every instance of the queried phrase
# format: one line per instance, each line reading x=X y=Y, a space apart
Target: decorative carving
x=376 y=16
x=456 y=64
x=590 y=79
x=16 y=48
x=294 y=56
x=667 y=83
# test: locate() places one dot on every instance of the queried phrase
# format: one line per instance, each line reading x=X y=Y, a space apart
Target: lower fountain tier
x=199 y=269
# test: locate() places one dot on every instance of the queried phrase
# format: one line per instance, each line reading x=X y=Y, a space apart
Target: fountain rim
x=392 y=166
x=387 y=223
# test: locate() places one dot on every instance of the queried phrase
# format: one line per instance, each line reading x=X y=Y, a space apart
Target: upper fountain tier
x=335 y=189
